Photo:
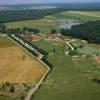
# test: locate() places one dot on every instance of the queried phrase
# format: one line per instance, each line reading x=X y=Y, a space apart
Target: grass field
x=87 y=49
x=44 y=24
x=52 y=21
x=7 y=98
x=95 y=14
x=70 y=78
x=16 y=66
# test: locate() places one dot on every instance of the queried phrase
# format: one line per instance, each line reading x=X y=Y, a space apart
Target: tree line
x=89 y=31
x=20 y=15
x=4 y=29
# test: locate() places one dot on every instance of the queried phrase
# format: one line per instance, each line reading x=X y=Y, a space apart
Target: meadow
x=70 y=78
x=7 y=98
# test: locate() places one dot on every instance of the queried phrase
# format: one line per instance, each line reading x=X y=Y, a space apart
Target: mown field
x=16 y=66
x=95 y=14
x=70 y=78
x=44 y=24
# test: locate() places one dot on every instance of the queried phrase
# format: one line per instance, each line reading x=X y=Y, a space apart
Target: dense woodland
x=89 y=31
x=20 y=15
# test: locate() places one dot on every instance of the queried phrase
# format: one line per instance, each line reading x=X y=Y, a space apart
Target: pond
x=67 y=24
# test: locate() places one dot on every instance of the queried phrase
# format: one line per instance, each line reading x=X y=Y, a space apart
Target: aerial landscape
x=50 y=50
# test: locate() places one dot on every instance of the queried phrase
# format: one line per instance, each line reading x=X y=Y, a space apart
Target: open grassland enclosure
x=71 y=77
x=17 y=66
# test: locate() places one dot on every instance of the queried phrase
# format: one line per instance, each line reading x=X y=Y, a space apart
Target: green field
x=70 y=78
x=94 y=14
x=53 y=21
x=87 y=49
x=44 y=24
x=7 y=98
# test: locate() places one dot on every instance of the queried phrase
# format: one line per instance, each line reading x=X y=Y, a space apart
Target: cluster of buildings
x=55 y=36
x=48 y=36
x=28 y=46
x=30 y=36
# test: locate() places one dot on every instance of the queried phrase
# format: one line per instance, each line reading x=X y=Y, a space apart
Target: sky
x=4 y=2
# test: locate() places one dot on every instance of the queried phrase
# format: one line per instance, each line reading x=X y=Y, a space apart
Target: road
x=35 y=89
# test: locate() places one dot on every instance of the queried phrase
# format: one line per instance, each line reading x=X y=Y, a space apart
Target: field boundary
x=39 y=83
x=84 y=14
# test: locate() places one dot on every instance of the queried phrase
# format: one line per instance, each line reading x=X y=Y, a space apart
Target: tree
x=89 y=31
x=3 y=28
x=33 y=30
x=81 y=46
x=53 y=31
x=7 y=84
x=12 y=89
x=22 y=97
x=54 y=50
x=63 y=31
x=14 y=31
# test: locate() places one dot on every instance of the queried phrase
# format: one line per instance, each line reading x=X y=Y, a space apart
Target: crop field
x=70 y=78
x=74 y=15
x=17 y=66
x=95 y=14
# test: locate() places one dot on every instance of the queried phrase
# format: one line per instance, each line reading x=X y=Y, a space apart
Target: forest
x=89 y=31
x=20 y=15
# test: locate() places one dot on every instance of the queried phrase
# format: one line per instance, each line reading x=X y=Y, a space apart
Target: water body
x=67 y=24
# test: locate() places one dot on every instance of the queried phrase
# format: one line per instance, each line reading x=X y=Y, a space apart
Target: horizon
x=27 y=2
x=50 y=3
